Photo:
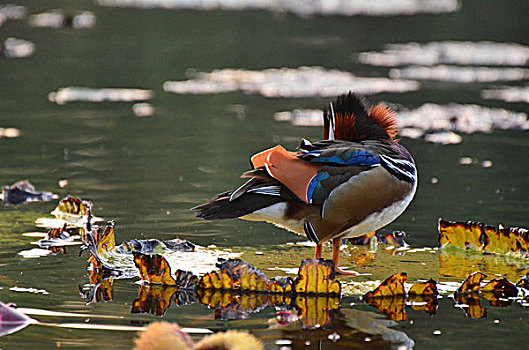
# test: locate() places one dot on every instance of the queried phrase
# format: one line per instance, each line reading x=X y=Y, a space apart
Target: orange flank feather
x=286 y=168
x=386 y=118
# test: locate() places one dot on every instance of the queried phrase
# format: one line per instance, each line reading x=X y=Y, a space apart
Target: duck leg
x=336 y=242
x=318 y=250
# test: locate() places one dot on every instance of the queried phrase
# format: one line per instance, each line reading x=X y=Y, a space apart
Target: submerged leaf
x=316 y=276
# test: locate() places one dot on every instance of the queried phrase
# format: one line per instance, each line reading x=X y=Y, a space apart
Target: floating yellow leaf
x=154 y=269
x=501 y=287
x=460 y=234
x=72 y=206
x=424 y=288
x=392 y=286
x=523 y=282
x=498 y=291
x=56 y=233
x=235 y=274
x=280 y=285
x=471 y=284
x=485 y=238
x=107 y=239
x=316 y=276
x=505 y=241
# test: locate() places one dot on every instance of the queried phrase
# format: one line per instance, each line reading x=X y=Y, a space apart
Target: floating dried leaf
x=508 y=94
x=424 y=288
x=364 y=239
x=392 y=286
x=449 y=52
x=523 y=282
x=236 y=274
x=460 y=74
x=59 y=19
x=471 y=284
x=475 y=235
x=75 y=93
x=460 y=234
x=23 y=192
x=498 y=291
x=154 y=269
x=280 y=284
x=154 y=246
x=316 y=276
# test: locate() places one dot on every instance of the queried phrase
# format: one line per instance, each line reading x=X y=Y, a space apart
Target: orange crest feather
x=386 y=118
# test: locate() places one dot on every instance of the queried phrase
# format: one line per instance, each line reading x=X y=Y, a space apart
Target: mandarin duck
x=355 y=181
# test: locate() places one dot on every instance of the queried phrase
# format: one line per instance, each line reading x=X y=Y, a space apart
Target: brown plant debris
x=478 y=236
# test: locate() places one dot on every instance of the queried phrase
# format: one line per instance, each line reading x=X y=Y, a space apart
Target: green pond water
x=146 y=172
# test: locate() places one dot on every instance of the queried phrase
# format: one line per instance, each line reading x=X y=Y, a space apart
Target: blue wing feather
x=353 y=157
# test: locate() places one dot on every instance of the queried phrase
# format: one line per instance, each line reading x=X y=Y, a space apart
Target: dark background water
x=145 y=173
